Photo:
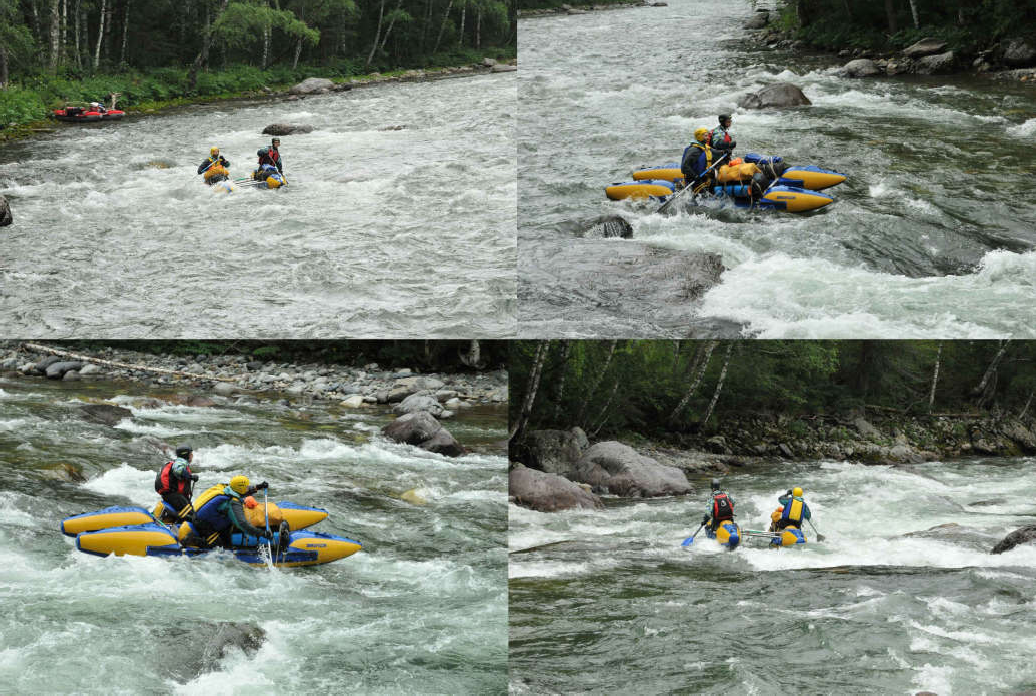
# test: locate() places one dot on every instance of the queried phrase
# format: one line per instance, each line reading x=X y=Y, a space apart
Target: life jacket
x=722 y=508
x=275 y=155
x=694 y=150
x=165 y=482
x=792 y=511
x=726 y=136
x=214 y=514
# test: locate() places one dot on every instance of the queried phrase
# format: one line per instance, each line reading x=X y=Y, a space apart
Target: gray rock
x=1023 y=535
x=786 y=451
x=105 y=414
x=71 y=376
x=866 y=429
x=619 y=469
x=6 y=218
x=547 y=492
x=89 y=369
x=1022 y=436
x=488 y=62
x=503 y=67
x=225 y=389
x=311 y=85
x=58 y=369
x=776 y=96
x=286 y=129
x=1018 y=54
x=406 y=386
x=254 y=365
x=454 y=403
x=757 y=21
x=932 y=65
x=354 y=401
x=41 y=367
x=552 y=451
x=608 y=226
x=861 y=67
x=420 y=402
x=422 y=430
x=924 y=47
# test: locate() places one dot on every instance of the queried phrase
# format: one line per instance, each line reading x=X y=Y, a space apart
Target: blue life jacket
x=214 y=513
x=793 y=510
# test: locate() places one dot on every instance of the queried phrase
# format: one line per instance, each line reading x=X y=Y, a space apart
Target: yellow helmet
x=700 y=134
x=239 y=484
x=797 y=492
x=214 y=151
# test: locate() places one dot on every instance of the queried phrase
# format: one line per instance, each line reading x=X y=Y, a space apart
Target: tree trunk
x=203 y=55
x=55 y=35
x=377 y=33
x=3 y=66
x=802 y=12
x=108 y=24
x=100 y=36
x=463 y=18
x=604 y=411
x=79 y=42
x=478 y=27
x=709 y=347
x=719 y=384
x=298 y=46
x=125 y=33
x=848 y=10
x=566 y=348
x=890 y=12
x=1026 y=409
x=442 y=25
x=596 y=383
x=39 y=348
x=392 y=21
x=530 y=393
x=935 y=378
x=913 y=11
x=980 y=390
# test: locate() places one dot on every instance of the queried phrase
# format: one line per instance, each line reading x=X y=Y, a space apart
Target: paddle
x=266 y=510
x=820 y=537
x=690 y=540
x=690 y=185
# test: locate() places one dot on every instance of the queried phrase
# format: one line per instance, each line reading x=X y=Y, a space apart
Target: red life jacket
x=165 y=482
x=722 y=508
x=726 y=136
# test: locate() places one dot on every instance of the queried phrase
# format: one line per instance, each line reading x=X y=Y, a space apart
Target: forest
x=158 y=50
x=966 y=25
x=652 y=388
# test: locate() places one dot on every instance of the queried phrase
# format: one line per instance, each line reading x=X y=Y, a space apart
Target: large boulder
x=940 y=63
x=861 y=67
x=924 y=47
x=780 y=95
x=5 y=213
x=58 y=369
x=1023 y=535
x=1022 y=436
x=105 y=414
x=402 y=388
x=554 y=451
x=547 y=492
x=1018 y=54
x=503 y=67
x=619 y=469
x=422 y=430
x=422 y=402
x=286 y=129
x=312 y=85
x=40 y=368
x=757 y=21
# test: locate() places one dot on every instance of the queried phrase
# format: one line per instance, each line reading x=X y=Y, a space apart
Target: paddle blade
x=688 y=541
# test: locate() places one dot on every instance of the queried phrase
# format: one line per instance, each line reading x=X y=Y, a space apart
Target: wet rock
x=105 y=414
x=421 y=402
x=861 y=67
x=1018 y=54
x=200 y=646
x=776 y=96
x=90 y=369
x=619 y=469
x=71 y=376
x=58 y=369
x=924 y=47
x=786 y=451
x=413 y=497
x=547 y=492
x=866 y=429
x=757 y=21
x=225 y=389
x=488 y=62
x=940 y=63
x=200 y=402
x=406 y=386
x=286 y=129
x=311 y=85
x=1024 y=437
x=422 y=430
x=40 y=368
x=500 y=67
x=354 y=401
x=608 y=226
x=1024 y=535
x=552 y=451
x=6 y=218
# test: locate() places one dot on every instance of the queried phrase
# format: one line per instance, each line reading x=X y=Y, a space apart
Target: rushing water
x=932 y=235
x=422 y=608
x=609 y=600
x=380 y=232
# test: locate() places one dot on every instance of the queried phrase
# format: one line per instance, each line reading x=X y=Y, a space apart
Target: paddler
x=214 y=168
x=224 y=514
x=698 y=156
x=275 y=155
x=792 y=512
x=720 y=137
x=175 y=482
x=721 y=508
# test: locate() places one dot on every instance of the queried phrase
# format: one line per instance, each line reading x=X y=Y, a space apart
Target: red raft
x=85 y=114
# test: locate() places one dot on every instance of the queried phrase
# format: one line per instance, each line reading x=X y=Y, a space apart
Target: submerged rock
x=6 y=218
x=776 y=96
x=105 y=414
x=610 y=226
x=286 y=129
x=620 y=470
x=422 y=430
x=547 y=492
x=199 y=646
x=1023 y=535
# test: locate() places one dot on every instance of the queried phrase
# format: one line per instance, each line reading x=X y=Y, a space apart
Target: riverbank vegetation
x=53 y=51
x=665 y=389
x=966 y=25
x=532 y=5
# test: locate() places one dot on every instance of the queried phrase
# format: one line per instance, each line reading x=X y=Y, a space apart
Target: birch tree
x=55 y=35
x=935 y=378
x=596 y=382
x=566 y=349
x=530 y=392
x=709 y=347
x=100 y=34
x=442 y=25
x=719 y=384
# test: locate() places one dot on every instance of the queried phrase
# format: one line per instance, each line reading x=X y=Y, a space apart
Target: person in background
x=720 y=137
x=792 y=513
x=721 y=508
x=214 y=168
x=175 y=483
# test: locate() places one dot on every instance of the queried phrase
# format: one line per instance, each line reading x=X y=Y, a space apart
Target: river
x=609 y=600
x=380 y=232
x=932 y=235
x=421 y=608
